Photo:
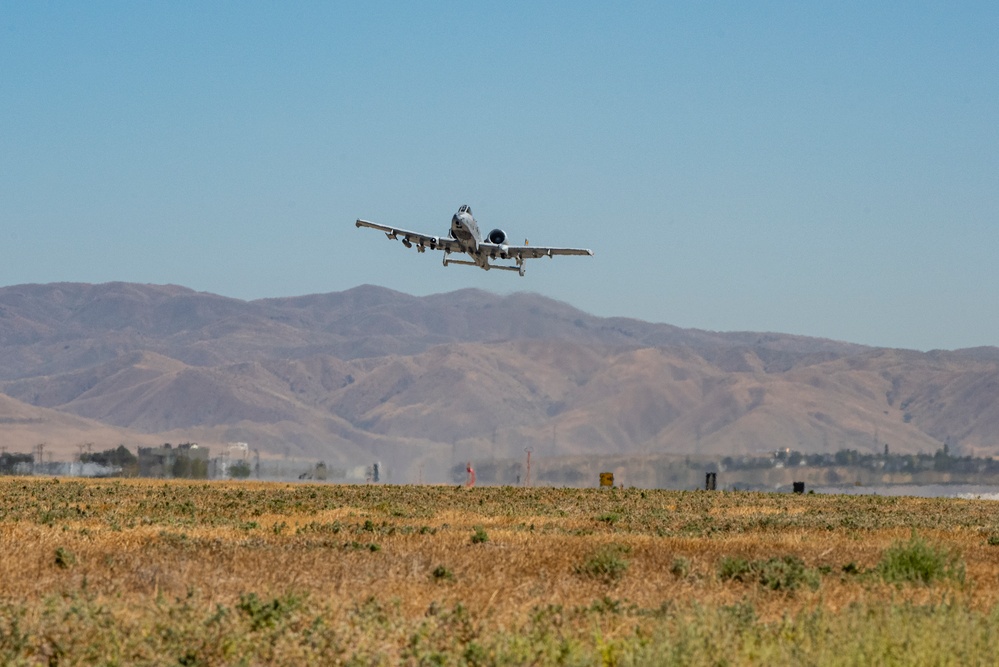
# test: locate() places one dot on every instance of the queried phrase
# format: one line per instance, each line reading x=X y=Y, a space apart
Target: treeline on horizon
x=121 y=462
x=940 y=461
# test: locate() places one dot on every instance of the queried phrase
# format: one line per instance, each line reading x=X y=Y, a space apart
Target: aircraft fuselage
x=465 y=230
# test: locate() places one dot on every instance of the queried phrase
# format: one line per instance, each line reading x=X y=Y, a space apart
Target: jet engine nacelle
x=496 y=236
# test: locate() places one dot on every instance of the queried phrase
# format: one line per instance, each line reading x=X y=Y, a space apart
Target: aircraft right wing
x=422 y=241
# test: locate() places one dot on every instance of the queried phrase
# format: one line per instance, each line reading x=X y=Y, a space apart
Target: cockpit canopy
x=465 y=208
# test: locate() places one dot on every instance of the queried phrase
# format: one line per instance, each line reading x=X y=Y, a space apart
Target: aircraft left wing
x=422 y=241
x=522 y=252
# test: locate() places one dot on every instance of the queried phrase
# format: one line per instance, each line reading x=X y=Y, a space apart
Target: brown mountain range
x=370 y=373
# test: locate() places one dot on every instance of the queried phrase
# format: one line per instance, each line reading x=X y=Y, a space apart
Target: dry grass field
x=169 y=572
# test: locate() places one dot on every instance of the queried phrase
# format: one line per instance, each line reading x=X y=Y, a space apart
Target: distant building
x=186 y=460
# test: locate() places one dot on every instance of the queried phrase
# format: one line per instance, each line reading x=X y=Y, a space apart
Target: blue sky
x=826 y=169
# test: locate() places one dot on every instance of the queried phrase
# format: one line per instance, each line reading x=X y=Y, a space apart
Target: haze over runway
x=828 y=170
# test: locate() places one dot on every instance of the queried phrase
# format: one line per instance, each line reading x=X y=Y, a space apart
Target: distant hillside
x=370 y=373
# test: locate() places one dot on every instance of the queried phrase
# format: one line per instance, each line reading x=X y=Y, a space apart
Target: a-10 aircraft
x=465 y=237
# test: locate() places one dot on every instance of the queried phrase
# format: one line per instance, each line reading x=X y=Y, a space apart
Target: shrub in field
x=734 y=568
x=266 y=614
x=786 y=573
x=851 y=568
x=606 y=564
x=610 y=518
x=740 y=615
x=442 y=573
x=479 y=536
x=64 y=558
x=680 y=567
x=916 y=561
x=314 y=527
